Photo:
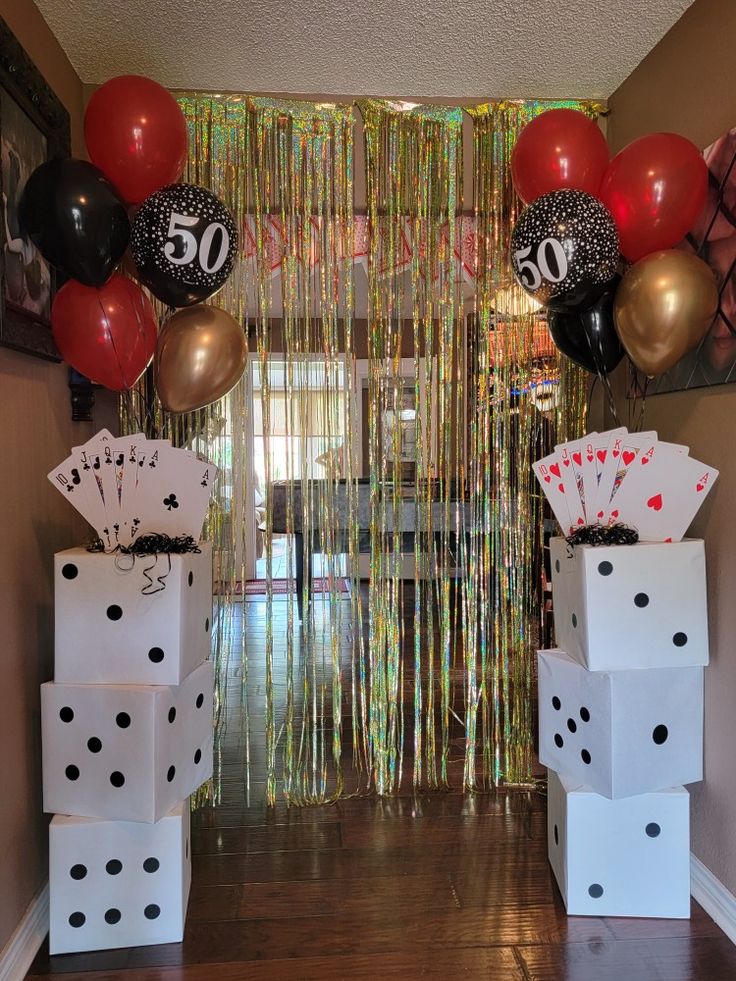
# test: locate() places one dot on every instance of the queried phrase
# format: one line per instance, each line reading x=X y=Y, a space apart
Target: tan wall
x=35 y=433
x=687 y=84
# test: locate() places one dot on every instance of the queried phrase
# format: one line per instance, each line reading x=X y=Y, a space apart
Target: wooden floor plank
x=396 y=928
x=674 y=959
x=514 y=853
x=497 y=963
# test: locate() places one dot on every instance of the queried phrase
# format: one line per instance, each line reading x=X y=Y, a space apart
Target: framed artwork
x=34 y=127
x=713 y=362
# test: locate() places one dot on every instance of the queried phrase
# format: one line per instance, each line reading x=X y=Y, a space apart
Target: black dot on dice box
x=680 y=639
x=605 y=568
x=200 y=700
x=112 y=916
x=198 y=756
x=156 y=655
x=78 y=871
x=77 y=919
x=190 y=578
x=641 y=600
x=571 y=725
x=94 y=745
x=595 y=891
x=207 y=625
x=151 y=865
x=557 y=565
x=172 y=714
x=66 y=714
x=171 y=773
x=557 y=836
x=584 y=714
x=556 y=703
x=659 y=735
x=152 y=911
x=114 y=867
x=585 y=756
x=559 y=741
x=114 y=612
x=69 y=571
x=574 y=620
x=653 y=830
x=122 y=719
x=72 y=772
x=117 y=779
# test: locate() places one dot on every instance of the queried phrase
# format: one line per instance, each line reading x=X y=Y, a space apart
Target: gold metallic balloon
x=200 y=356
x=663 y=308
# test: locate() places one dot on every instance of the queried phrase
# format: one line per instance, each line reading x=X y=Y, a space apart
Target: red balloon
x=107 y=334
x=560 y=148
x=137 y=135
x=655 y=189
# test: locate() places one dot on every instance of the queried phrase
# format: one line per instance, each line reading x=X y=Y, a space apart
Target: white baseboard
x=716 y=900
x=17 y=955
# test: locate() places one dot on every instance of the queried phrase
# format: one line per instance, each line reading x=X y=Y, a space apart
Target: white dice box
x=125 y=752
x=620 y=732
x=631 y=606
x=118 y=883
x=142 y=620
x=626 y=857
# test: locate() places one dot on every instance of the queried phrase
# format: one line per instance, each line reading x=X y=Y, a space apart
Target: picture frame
x=34 y=127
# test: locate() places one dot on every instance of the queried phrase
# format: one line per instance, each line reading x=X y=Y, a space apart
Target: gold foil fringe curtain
x=424 y=678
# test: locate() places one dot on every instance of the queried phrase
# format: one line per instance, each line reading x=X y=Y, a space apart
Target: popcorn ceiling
x=451 y=50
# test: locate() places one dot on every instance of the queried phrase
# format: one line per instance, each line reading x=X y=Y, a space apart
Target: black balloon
x=588 y=336
x=183 y=243
x=73 y=215
x=564 y=249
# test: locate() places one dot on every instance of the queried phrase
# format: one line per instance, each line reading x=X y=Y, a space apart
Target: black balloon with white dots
x=564 y=249
x=184 y=243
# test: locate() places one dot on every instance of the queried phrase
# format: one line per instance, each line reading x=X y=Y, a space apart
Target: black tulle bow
x=156 y=544
x=152 y=545
x=603 y=535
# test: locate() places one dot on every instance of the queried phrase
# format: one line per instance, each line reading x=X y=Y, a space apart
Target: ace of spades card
x=173 y=493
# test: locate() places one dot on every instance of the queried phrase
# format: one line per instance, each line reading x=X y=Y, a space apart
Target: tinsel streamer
x=301 y=167
x=293 y=162
x=462 y=650
x=508 y=431
x=413 y=181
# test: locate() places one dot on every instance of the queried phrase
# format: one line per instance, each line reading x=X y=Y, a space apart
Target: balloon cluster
x=83 y=216
x=589 y=219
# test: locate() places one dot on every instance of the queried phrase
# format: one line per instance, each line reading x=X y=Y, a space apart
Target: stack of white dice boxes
x=621 y=723
x=127 y=736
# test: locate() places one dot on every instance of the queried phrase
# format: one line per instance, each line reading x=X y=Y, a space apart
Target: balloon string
x=639 y=400
x=603 y=376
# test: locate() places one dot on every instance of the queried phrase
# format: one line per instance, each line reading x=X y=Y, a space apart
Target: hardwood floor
x=439 y=886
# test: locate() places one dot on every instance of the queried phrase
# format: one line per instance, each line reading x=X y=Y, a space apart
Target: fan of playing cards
x=626 y=478
x=133 y=486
